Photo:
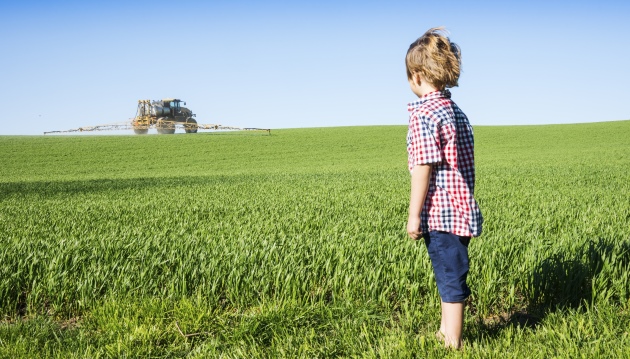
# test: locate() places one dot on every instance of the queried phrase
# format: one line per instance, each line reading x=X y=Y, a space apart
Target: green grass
x=243 y=245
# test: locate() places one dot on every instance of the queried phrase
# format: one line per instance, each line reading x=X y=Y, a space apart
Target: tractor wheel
x=165 y=127
x=140 y=127
x=190 y=126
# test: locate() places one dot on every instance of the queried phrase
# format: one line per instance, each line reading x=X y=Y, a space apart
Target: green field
x=247 y=245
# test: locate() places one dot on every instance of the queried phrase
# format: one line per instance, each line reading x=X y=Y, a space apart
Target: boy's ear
x=417 y=79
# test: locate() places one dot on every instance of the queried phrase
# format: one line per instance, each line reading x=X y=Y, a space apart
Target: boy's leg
x=449 y=258
x=452 y=324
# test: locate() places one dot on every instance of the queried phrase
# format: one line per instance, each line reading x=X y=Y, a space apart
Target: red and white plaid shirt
x=440 y=134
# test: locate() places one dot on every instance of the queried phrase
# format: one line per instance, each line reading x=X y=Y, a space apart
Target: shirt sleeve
x=423 y=145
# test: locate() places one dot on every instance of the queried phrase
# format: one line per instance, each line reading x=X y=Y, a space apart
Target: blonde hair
x=435 y=58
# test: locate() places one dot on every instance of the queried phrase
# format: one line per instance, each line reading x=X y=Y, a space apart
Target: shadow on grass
x=564 y=280
x=72 y=187
x=65 y=187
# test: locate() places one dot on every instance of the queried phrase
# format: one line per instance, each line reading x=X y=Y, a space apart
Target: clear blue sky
x=283 y=64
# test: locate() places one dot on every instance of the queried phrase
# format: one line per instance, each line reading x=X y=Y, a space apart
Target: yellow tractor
x=164 y=115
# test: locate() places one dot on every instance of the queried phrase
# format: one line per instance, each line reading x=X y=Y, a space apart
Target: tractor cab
x=174 y=104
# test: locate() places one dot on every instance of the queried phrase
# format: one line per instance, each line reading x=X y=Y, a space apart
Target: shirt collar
x=430 y=96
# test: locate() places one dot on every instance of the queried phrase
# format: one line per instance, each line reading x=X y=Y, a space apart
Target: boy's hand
x=413 y=227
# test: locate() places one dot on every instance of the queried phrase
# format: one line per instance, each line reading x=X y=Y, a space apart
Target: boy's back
x=439 y=133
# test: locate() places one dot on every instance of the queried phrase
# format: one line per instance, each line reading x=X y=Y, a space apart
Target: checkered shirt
x=440 y=134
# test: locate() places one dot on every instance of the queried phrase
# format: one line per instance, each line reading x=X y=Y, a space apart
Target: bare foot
x=441 y=337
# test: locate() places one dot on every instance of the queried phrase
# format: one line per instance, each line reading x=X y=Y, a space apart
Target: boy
x=440 y=146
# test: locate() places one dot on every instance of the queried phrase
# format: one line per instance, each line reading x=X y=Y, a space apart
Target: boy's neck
x=426 y=88
x=420 y=87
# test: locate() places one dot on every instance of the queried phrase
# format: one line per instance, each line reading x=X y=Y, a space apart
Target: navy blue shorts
x=449 y=257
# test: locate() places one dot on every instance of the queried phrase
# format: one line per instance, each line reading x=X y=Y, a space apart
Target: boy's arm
x=419 y=185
